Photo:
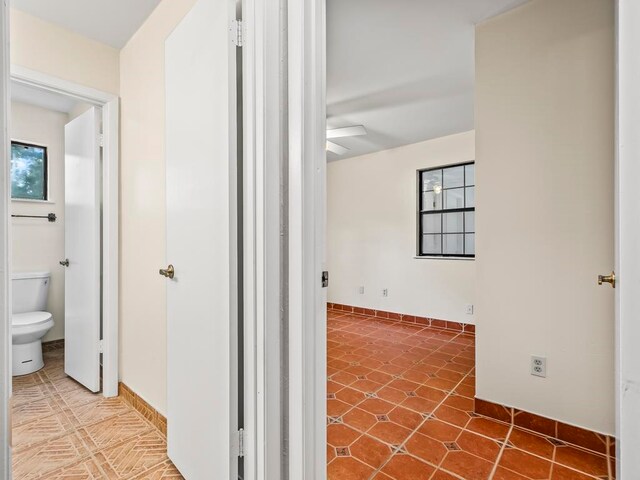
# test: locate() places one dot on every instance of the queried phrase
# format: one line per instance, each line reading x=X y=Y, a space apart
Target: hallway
x=400 y=406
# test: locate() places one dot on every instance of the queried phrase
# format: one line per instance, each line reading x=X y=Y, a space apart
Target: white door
x=82 y=249
x=628 y=242
x=201 y=242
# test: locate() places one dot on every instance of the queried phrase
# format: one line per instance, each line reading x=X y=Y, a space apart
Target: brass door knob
x=169 y=272
x=607 y=279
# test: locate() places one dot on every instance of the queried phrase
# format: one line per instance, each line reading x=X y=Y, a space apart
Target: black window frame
x=421 y=212
x=46 y=172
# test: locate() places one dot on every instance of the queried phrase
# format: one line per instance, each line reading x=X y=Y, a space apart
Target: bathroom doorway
x=63 y=233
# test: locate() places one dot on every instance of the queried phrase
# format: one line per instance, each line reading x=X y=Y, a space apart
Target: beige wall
x=371 y=228
x=545 y=151
x=50 y=49
x=142 y=292
x=38 y=245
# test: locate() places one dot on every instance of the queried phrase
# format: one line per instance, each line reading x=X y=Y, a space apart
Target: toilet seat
x=30 y=319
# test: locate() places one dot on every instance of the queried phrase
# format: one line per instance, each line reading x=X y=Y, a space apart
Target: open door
x=628 y=242
x=201 y=243
x=82 y=249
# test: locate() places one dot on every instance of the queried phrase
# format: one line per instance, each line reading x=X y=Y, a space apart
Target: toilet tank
x=29 y=291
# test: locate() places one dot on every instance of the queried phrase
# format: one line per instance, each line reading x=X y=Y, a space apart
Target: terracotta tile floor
x=63 y=431
x=400 y=407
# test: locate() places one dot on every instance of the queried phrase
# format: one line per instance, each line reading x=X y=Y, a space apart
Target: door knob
x=607 y=279
x=65 y=262
x=168 y=272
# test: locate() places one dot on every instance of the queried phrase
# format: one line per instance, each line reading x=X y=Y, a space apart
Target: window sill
x=427 y=257
x=26 y=200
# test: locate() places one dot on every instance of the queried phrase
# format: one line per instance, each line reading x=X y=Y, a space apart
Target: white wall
x=545 y=149
x=38 y=245
x=371 y=227
x=50 y=49
x=143 y=320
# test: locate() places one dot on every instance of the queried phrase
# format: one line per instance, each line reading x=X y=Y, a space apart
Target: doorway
x=567 y=423
x=64 y=265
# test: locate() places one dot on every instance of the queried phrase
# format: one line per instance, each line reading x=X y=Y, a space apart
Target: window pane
x=431 y=244
x=432 y=223
x=470 y=222
x=28 y=172
x=454 y=198
x=470 y=244
x=470 y=175
x=452 y=244
x=431 y=179
x=453 y=222
x=431 y=201
x=471 y=197
x=453 y=177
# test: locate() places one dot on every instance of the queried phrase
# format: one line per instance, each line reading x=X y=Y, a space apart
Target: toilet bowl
x=29 y=321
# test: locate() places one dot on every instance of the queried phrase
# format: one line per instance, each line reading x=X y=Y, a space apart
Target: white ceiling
x=404 y=69
x=43 y=98
x=108 y=21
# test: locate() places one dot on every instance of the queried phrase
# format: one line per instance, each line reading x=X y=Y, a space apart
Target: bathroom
x=47 y=129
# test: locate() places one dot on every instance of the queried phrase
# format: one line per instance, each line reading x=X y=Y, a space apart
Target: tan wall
x=545 y=164
x=371 y=232
x=38 y=245
x=143 y=349
x=50 y=49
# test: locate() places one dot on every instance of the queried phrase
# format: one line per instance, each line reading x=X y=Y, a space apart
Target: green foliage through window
x=28 y=171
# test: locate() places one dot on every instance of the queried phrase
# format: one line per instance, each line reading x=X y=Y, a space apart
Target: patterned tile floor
x=61 y=431
x=400 y=407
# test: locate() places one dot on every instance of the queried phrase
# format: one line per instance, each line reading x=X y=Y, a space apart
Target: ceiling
x=108 y=21
x=404 y=69
x=43 y=98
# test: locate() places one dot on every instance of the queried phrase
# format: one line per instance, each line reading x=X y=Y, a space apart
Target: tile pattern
x=150 y=413
x=400 y=406
x=61 y=431
x=401 y=317
x=581 y=437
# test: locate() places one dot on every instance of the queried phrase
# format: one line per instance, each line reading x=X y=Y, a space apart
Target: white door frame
x=627 y=239
x=306 y=227
x=109 y=104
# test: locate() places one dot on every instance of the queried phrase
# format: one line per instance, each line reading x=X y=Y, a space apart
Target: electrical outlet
x=361 y=290
x=538 y=366
x=385 y=292
x=469 y=310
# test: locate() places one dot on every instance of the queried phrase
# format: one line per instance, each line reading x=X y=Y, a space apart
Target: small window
x=28 y=171
x=446 y=211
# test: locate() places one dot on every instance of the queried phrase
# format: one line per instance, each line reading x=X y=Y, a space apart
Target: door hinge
x=325 y=279
x=241 y=443
x=236 y=32
x=101 y=346
x=101 y=139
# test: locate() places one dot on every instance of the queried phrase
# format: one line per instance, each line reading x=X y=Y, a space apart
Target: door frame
x=109 y=104
x=307 y=239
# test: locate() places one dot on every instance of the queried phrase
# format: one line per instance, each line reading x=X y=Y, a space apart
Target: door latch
x=65 y=262
x=325 y=279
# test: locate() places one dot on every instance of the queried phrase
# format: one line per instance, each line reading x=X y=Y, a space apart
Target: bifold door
x=201 y=243
x=82 y=249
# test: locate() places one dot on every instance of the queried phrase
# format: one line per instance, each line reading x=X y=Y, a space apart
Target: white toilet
x=29 y=321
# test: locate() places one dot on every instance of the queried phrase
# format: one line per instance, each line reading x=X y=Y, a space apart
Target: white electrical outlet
x=385 y=292
x=361 y=290
x=469 y=310
x=538 y=366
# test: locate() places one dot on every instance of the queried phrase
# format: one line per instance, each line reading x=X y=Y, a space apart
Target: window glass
x=431 y=179
x=446 y=211
x=28 y=172
x=432 y=223
x=453 y=177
